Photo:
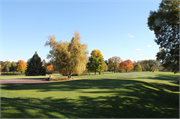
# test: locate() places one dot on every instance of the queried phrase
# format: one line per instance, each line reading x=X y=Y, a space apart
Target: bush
x=121 y=70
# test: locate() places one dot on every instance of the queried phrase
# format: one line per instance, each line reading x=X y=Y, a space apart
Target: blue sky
x=116 y=28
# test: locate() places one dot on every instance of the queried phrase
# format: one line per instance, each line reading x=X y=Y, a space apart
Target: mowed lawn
x=109 y=95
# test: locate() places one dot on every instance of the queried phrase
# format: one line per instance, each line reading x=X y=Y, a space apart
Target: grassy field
x=110 y=95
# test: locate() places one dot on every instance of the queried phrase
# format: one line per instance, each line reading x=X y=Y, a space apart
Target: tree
x=126 y=65
x=13 y=67
x=147 y=67
x=114 y=63
x=165 y=24
x=49 y=68
x=21 y=66
x=70 y=58
x=154 y=68
x=137 y=68
x=6 y=66
x=110 y=64
x=96 y=61
x=105 y=67
x=34 y=66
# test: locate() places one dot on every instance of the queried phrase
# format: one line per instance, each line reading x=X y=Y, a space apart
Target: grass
x=142 y=95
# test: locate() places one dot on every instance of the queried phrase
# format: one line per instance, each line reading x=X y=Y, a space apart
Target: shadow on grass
x=138 y=100
x=143 y=102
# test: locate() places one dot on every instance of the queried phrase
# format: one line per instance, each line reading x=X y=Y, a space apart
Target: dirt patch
x=23 y=81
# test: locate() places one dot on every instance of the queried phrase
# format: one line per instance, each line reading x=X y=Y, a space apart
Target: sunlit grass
x=141 y=95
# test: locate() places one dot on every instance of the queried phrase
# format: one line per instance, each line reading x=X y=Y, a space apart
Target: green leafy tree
x=110 y=65
x=70 y=58
x=147 y=67
x=165 y=24
x=13 y=67
x=96 y=62
x=6 y=66
x=34 y=66
x=137 y=68
x=114 y=62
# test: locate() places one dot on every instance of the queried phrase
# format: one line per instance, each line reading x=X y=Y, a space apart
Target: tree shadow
x=129 y=99
x=142 y=102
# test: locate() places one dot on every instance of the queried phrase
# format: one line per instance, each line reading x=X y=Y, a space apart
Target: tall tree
x=34 y=66
x=70 y=58
x=21 y=66
x=13 y=67
x=165 y=24
x=96 y=62
x=126 y=65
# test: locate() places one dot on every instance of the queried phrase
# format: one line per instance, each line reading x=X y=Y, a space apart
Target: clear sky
x=116 y=28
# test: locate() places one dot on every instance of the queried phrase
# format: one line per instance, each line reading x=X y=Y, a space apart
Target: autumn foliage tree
x=96 y=62
x=126 y=65
x=21 y=66
x=49 y=68
x=70 y=58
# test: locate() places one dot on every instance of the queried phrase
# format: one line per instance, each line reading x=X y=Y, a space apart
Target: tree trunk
x=21 y=72
x=69 y=75
x=89 y=72
x=126 y=70
x=95 y=72
x=99 y=73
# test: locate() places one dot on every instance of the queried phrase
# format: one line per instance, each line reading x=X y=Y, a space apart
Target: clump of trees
x=35 y=66
x=96 y=62
x=113 y=63
x=70 y=58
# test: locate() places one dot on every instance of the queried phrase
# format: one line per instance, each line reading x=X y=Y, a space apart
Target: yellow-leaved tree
x=96 y=62
x=21 y=66
x=70 y=58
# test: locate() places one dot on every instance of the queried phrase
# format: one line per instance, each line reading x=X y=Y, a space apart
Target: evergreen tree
x=35 y=67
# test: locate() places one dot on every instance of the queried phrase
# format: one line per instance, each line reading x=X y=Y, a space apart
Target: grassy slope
x=143 y=94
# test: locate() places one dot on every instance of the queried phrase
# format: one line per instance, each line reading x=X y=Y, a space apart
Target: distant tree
x=114 y=63
x=105 y=67
x=70 y=58
x=13 y=67
x=96 y=61
x=110 y=65
x=126 y=65
x=106 y=61
x=154 y=68
x=165 y=24
x=21 y=66
x=49 y=68
x=137 y=68
x=34 y=66
x=6 y=66
x=147 y=67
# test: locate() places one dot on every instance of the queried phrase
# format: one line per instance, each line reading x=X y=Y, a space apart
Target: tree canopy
x=96 y=61
x=165 y=24
x=21 y=66
x=126 y=65
x=70 y=58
